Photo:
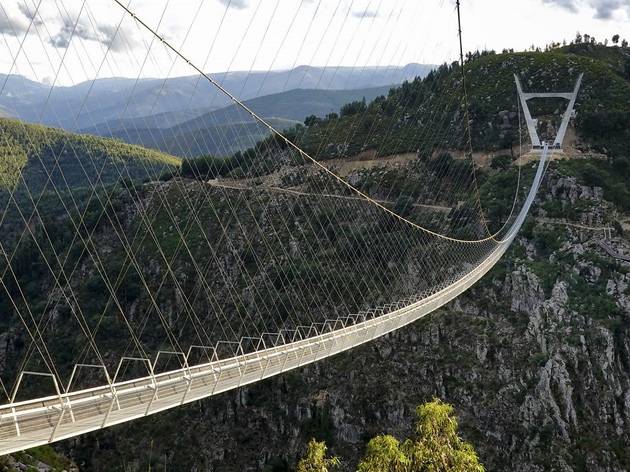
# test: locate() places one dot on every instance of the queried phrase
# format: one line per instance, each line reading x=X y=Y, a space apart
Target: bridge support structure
x=63 y=415
x=524 y=97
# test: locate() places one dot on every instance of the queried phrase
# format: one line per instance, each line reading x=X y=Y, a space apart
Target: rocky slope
x=536 y=360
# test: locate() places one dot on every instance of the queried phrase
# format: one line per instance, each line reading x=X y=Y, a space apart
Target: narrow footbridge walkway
x=45 y=420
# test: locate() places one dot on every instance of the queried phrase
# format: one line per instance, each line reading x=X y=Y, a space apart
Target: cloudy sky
x=70 y=41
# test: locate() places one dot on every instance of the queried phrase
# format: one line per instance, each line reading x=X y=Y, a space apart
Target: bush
x=501 y=162
x=316 y=460
x=434 y=446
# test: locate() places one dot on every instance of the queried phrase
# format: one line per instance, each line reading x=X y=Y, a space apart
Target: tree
x=615 y=39
x=311 y=120
x=384 y=454
x=624 y=43
x=436 y=446
x=353 y=108
x=404 y=205
x=315 y=459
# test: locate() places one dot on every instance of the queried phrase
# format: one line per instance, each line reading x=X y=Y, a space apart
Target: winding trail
x=266 y=188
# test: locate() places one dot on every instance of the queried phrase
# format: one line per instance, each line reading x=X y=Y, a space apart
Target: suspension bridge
x=235 y=337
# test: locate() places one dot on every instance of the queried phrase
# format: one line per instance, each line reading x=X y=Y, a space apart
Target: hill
x=493 y=104
x=536 y=356
x=291 y=105
x=230 y=129
x=25 y=99
x=218 y=139
x=38 y=154
x=520 y=355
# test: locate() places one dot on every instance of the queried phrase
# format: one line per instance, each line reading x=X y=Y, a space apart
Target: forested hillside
x=535 y=358
x=38 y=154
x=406 y=119
x=604 y=99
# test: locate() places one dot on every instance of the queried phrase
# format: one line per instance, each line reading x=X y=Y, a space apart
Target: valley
x=173 y=227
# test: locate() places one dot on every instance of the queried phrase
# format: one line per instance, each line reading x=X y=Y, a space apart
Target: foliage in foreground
x=434 y=447
x=316 y=460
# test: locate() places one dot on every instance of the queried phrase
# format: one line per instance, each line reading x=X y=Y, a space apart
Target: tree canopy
x=316 y=460
x=435 y=446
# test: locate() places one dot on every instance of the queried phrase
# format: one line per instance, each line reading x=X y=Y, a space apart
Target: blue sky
x=276 y=34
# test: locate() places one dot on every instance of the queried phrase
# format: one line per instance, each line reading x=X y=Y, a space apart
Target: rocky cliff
x=535 y=359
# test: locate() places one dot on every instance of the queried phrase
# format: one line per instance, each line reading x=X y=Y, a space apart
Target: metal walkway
x=45 y=420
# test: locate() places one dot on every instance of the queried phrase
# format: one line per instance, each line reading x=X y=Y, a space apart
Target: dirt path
x=556 y=221
x=292 y=191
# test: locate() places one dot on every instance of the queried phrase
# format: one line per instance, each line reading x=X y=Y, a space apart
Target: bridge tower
x=531 y=122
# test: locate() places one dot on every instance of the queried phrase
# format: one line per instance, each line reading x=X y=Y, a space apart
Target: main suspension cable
x=287 y=140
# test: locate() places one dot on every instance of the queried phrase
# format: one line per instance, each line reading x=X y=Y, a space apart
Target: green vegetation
x=434 y=447
x=384 y=453
x=44 y=454
x=316 y=460
x=12 y=160
x=611 y=175
x=353 y=248
x=219 y=139
x=407 y=111
x=31 y=151
x=408 y=115
x=501 y=162
x=260 y=159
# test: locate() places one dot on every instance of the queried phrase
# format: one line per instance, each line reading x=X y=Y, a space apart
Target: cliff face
x=535 y=359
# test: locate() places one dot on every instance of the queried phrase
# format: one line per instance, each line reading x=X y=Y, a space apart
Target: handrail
x=40 y=421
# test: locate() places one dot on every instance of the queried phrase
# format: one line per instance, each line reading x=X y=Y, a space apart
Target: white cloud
x=604 y=9
x=245 y=41
x=11 y=25
x=30 y=11
x=238 y=4
x=365 y=14
x=109 y=35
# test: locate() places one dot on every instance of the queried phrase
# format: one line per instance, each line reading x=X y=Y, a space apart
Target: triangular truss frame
x=531 y=122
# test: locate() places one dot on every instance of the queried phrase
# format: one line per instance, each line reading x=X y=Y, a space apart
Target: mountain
x=39 y=157
x=415 y=106
x=231 y=129
x=109 y=99
x=535 y=358
x=219 y=139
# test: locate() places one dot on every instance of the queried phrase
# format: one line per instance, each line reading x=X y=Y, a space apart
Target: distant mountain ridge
x=109 y=98
x=231 y=129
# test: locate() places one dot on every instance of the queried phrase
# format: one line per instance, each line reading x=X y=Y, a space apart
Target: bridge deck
x=41 y=421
